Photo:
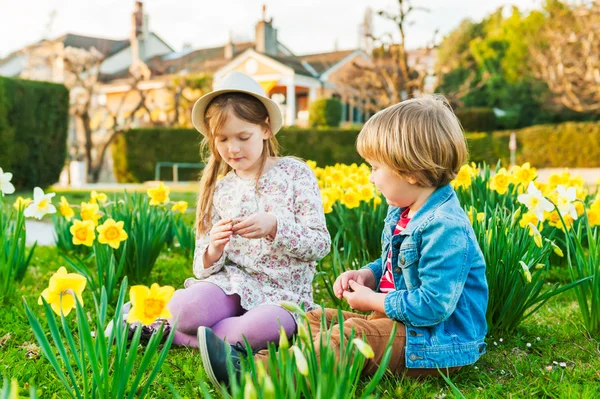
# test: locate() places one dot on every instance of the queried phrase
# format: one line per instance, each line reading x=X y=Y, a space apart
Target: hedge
x=477 y=119
x=34 y=120
x=136 y=152
x=569 y=144
x=566 y=145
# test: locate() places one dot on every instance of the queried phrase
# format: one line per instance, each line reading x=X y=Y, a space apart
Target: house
x=282 y=74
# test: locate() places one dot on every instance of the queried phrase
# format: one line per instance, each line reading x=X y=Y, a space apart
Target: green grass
x=511 y=368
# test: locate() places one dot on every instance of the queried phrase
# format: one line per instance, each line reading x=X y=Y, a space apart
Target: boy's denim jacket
x=441 y=291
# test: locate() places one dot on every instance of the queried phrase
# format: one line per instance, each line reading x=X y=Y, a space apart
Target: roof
x=205 y=60
x=323 y=61
x=293 y=62
x=105 y=46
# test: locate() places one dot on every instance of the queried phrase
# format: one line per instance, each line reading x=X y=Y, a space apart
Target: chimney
x=139 y=41
x=266 y=35
x=139 y=33
x=229 y=47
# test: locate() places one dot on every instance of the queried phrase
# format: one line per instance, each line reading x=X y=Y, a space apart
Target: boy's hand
x=364 y=299
x=258 y=225
x=341 y=283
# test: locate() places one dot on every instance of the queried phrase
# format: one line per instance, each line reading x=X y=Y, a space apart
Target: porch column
x=312 y=95
x=350 y=111
x=290 y=102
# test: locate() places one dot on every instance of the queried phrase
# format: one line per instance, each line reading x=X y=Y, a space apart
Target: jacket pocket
x=408 y=260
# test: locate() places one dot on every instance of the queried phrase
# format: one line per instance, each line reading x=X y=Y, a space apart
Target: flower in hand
x=258 y=225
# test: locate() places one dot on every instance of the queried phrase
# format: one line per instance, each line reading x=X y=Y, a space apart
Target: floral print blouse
x=268 y=271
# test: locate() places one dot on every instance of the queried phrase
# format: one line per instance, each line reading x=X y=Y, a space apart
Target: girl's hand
x=220 y=235
x=258 y=225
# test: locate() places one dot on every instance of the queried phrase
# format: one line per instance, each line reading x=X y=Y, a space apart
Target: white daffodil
x=41 y=205
x=535 y=201
x=566 y=201
x=6 y=186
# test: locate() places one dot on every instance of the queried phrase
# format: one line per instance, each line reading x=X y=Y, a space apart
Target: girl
x=260 y=224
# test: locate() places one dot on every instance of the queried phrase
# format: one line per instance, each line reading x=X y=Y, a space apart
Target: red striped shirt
x=386 y=284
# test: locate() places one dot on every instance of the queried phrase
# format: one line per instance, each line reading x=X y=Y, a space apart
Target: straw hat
x=236 y=82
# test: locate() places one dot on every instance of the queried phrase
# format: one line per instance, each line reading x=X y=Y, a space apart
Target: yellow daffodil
x=576 y=181
x=327 y=181
x=21 y=203
x=62 y=290
x=556 y=179
x=327 y=203
x=530 y=218
x=524 y=174
x=365 y=193
x=180 y=206
x=554 y=220
x=463 y=179
x=351 y=199
x=596 y=204
x=480 y=215
x=376 y=201
x=363 y=180
x=83 y=232
x=149 y=304
x=90 y=212
x=337 y=177
x=311 y=164
x=159 y=195
x=579 y=208
x=65 y=209
x=593 y=217
x=97 y=197
x=111 y=233
x=500 y=181
x=347 y=183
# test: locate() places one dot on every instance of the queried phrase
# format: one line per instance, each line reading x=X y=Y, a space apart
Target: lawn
x=550 y=355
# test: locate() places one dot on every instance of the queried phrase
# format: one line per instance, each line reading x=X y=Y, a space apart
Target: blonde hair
x=245 y=107
x=419 y=138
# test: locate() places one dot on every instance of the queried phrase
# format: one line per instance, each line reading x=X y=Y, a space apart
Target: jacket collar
x=437 y=198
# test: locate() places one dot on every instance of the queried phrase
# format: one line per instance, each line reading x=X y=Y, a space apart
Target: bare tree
x=185 y=90
x=567 y=56
x=394 y=73
x=79 y=72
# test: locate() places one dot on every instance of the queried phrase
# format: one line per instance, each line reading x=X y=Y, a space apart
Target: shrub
x=325 y=112
x=34 y=118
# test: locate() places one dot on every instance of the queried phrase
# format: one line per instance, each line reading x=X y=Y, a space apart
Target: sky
x=304 y=26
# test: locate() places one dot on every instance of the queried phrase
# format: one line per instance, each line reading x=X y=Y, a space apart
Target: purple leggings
x=205 y=304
